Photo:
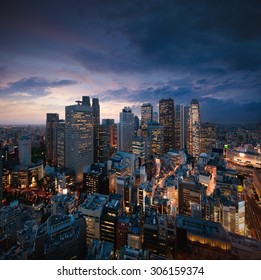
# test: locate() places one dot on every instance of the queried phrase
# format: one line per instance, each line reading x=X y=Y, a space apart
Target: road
x=253 y=216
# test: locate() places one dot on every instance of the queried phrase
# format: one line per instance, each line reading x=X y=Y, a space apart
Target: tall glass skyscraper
x=52 y=121
x=194 y=129
x=156 y=136
x=78 y=137
x=96 y=111
x=146 y=115
x=179 y=127
x=126 y=129
x=166 y=119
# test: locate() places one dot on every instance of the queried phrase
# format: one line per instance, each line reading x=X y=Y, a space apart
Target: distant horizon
x=217 y=123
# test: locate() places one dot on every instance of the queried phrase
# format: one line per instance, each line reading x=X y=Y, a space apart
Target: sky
x=127 y=53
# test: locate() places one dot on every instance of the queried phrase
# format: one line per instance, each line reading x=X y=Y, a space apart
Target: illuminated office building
x=194 y=129
x=200 y=239
x=156 y=138
x=113 y=132
x=208 y=137
x=146 y=116
x=78 y=138
x=140 y=147
x=101 y=143
x=60 y=149
x=166 y=119
x=92 y=210
x=190 y=195
x=111 y=211
x=179 y=127
x=186 y=126
x=96 y=180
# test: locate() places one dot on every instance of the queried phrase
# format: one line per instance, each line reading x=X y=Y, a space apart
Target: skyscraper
x=179 y=127
x=126 y=129
x=140 y=148
x=52 y=121
x=78 y=137
x=113 y=132
x=155 y=117
x=86 y=101
x=156 y=136
x=136 y=125
x=101 y=143
x=208 y=137
x=146 y=115
x=166 y=119
x=186 y=126
x=96 y=111
x=25 y=154
x=60 y=146
x=194 y=129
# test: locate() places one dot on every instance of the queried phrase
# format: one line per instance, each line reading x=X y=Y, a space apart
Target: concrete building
x=92 y=209
x=111 y=211
x=79 y=137
x=190 y=195
x=62 y=237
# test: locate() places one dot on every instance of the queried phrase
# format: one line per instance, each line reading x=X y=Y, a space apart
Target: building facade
x=167 y=120
x=78 y=138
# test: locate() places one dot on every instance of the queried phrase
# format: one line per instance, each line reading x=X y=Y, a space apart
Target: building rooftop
x=202 y=227
x=94 y=202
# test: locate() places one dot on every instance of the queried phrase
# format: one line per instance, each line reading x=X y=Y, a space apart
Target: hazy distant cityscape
x=162 y=186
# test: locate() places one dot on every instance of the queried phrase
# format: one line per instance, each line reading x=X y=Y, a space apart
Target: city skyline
x=127 y=54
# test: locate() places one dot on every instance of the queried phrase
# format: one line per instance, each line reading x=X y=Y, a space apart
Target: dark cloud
x=33 y=87
x=213 y=110
x=204 y=49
